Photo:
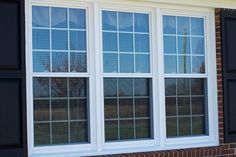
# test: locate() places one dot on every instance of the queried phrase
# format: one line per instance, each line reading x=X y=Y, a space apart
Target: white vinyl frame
x=98 y=146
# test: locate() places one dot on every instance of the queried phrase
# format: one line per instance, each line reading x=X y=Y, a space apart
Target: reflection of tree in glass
x=78 y=63
x=62 y=65
x=59 y=87
x=184 y=51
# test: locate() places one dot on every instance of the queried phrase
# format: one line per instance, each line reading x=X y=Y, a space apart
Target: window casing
x=155 y=77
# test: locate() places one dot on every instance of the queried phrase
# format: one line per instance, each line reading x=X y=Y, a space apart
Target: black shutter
x=228 y=24
x=12 y=80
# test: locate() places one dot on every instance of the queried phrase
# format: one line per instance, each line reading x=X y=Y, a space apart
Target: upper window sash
x=59 y=40
x=184 y=45
x=126 y=42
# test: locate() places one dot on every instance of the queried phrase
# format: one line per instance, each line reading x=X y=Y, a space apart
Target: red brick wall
x=224 y=150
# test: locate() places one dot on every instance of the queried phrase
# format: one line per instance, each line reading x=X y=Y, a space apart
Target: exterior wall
x=225 y=149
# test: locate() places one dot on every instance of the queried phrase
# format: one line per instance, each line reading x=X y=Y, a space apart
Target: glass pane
x=199 y=125
x=41 y=133
x=110 y=87
x=110 y=62
x=171 y=127
x=141 y=42
x=183 y=25
x=109 y=20
x=183 y=87
x=60 y=61
x=184 y=64
x=77 y=40
x=41 y=39
x=78 y=132
x=126 y=108
x=78 y=62
x=77 y=18
x=198 y=105
x=198 y=64
x=111 y=108
x=141 y=22
x=125 y=87
x=142 y=127
x=59 y=109
x=198 y=45
x=125 y=21
x=41 y=110
x=183 y=45
x=183 y=106
x=126 y=42
x=169 y=24
x=198 y=87
x=58 y=87
x=111 y=130
x=59 y=17
x=142 y=63
x=170 y=64
x=40 y=87
x=126 y=63
x=141 y=87
x=59 y=40
x=184 y=126
x=60 y=133
x=197 y=26
x=41 y=61
x=78 y=87
x=169 y=44
x=78 y=109
x=40 y=16
x=170 y=87
x=109 y=41
x=126 y=129
x=171 y=106
x=142 y=107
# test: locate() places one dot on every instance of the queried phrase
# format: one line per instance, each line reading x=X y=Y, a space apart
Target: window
x=126 y=50
x=185 y=95
x=107 y=79
x=61 y=102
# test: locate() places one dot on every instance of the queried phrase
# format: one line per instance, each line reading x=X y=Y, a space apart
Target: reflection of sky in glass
x=169 y=25
x=126 y=42
x=141 y=43
x=78 y=40
x=169 y=44
x=59 y=40
x=40 y=16
x=126 y=63
x=109 y=41
x=110 y=20
x=77 y=18
x=41 y=39
x=41 y=61
x=141 y=23
x=170 y=64
x=110 y=62
x=59 y=17
x=125 y=21
x=142 y=63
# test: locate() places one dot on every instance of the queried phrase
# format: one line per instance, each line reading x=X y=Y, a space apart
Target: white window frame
x=98 y=146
